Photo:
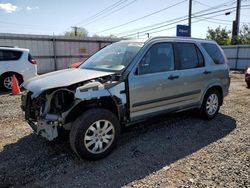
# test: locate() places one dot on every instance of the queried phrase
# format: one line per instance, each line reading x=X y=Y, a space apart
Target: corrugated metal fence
x=238 y=56
x=55 y=52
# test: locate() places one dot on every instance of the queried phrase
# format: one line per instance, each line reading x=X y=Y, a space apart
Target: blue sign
x=182 y=30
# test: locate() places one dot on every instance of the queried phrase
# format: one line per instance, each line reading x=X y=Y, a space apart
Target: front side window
x=189 y=56
x=114 y=57
x=214 y=52
x=159 y=58
x=9 y=55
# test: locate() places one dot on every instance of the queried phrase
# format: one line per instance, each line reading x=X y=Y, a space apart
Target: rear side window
x=214 y=52
x=189 y=56
x=10 y=55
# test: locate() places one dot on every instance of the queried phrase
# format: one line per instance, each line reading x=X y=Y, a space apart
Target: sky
x=122 y=18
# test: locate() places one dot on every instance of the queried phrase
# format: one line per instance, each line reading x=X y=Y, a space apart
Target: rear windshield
x=214 y=52
x=10 y=55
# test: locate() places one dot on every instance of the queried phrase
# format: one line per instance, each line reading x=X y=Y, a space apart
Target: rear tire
x=94 y=134
x=6 y=81
x=211 y=104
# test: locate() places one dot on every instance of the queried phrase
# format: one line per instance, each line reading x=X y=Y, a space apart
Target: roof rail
x=169 y=37
x=10 y=46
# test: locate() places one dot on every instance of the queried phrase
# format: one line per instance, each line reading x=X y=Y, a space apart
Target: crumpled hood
x=61 y=78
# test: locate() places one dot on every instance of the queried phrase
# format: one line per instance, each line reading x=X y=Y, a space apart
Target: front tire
x=211 y=104
x=94 y=134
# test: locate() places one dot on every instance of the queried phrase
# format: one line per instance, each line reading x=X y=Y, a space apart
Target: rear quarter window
x=10 y=55
x=214 y=52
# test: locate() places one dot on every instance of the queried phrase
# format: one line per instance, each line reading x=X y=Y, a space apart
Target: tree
x=111 y=36
x=220 y=35
x=244 y=34
x=77 y=31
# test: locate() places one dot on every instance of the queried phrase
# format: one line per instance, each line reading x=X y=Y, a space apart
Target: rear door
x=193 y=74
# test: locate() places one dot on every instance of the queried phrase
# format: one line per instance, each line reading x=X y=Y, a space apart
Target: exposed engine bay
x=59 y=107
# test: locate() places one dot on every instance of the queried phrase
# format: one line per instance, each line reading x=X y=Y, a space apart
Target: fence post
x=54 y=53
x=237 y=57
x=99 y=45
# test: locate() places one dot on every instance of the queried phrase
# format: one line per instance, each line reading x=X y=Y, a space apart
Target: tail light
x=32 y=60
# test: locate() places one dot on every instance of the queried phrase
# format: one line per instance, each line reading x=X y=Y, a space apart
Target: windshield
x=114 y=57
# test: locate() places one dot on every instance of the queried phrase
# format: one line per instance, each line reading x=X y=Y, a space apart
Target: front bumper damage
x=38 y=117
x=49 y=111
x=46 y=127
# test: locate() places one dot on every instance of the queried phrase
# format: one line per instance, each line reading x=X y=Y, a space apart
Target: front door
x=154 y=83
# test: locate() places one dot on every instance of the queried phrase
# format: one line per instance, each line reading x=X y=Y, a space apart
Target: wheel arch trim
x=211 y=86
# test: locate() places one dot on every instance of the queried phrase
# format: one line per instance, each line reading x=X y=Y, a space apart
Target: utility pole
x=236 y=24
x=189 y=17
x=75 y=29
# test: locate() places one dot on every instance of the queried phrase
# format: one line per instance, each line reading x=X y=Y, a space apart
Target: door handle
x=171 y=77
x=206 y=72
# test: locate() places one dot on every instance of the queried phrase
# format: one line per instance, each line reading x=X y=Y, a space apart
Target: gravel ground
x=179 y=150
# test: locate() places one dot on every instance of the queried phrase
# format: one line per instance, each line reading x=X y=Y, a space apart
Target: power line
x=208 y=20
x=193 y=22
x=164 y=22
x=195 y=1
x=110 y=13
x=222 y=20
x=199 y=20
x=100 y=13
x=228 y=3
x=105 y=10
x=219 y=19
x=140 y=18
x=180 y=21
x=149 y=26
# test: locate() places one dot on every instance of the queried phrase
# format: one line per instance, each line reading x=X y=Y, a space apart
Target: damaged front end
x=44 y=113
x=49 y=111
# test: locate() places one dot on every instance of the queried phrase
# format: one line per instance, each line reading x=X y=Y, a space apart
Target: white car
x=15 y=61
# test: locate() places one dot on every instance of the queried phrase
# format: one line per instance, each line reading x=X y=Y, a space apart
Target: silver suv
x=126 y=82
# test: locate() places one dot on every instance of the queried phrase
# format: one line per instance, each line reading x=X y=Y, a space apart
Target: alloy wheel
x=212 y=104
x=99 y=136
x=7 y=82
